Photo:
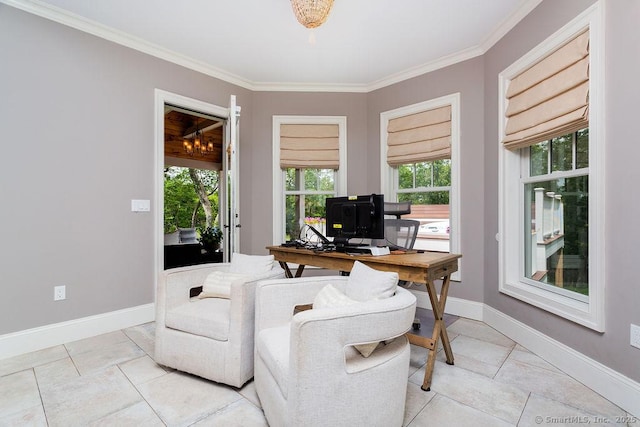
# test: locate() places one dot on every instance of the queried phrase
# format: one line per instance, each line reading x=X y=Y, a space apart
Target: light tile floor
x=112 y=380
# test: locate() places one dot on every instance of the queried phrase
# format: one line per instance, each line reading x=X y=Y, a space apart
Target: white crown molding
x=63 y=17
x=35 y=339
x=505 y=26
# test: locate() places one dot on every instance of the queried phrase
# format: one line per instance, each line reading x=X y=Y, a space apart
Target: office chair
x=400 y=233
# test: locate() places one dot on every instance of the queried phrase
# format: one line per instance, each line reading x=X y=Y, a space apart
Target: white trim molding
x=42 y=337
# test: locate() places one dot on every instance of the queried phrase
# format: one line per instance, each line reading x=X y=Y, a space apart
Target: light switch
x=140 y=205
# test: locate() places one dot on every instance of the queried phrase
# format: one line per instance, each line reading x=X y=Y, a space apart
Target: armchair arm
x=175 y=283
x=276 y=299
x=242 y=297
x=364 y=322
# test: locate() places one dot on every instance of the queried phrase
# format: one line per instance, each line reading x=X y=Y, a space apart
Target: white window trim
x=389 y=175
x=279 y=174
x=511 y=227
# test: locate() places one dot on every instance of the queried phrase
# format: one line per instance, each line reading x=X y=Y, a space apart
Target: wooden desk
x=414 y=267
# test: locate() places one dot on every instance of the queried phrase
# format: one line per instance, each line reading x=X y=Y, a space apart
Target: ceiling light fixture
x=311 y=13
x=198 y=145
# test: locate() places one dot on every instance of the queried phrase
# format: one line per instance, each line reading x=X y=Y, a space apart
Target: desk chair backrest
x=401 y=232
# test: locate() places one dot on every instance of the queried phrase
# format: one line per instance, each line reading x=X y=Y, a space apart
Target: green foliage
x=210 y=237
x=181 y=200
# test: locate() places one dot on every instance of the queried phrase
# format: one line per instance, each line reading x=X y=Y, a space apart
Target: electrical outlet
x=635 y=335
x=59 y=293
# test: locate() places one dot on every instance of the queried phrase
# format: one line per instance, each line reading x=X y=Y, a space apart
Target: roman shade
x=309 y=146
x=551 y=98
x=419 y=137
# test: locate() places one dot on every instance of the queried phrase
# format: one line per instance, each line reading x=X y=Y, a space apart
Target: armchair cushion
x=251 y=264
x=365 y=283
x=206 y=317
x=273 y=344
x=329 y=296
x=218 y=284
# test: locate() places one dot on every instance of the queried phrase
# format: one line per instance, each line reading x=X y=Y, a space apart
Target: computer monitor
x=354 y=217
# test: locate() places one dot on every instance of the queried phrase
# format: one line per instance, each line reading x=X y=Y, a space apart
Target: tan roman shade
x=309 y=146
x=551 y=98
x=419 y=137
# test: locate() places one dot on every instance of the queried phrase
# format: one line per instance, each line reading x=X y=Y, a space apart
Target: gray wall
x=77 y=112
x=269 y=104
x=623 y=234
x=77 y=121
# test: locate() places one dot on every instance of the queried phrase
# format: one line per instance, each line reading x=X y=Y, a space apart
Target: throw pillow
x=218 y=284
x=365 y=283
x=329 y=296
x=250 y=264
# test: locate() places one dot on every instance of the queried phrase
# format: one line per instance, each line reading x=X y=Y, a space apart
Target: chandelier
x=311 y=13
x=197 y=145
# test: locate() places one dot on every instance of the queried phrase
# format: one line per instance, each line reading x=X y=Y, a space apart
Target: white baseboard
x=610 y=384
x=29 y=340
x=456 y=306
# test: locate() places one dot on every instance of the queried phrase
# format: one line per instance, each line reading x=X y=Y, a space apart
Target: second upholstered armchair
x=211 y=334
x=344 y=362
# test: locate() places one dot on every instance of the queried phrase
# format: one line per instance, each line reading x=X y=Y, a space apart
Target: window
x=309 y=154
x=305 y=194
x=556 y=214
x=419 y=163
x=551 y=215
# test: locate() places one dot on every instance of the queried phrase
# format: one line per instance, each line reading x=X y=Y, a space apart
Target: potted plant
x=210 y=238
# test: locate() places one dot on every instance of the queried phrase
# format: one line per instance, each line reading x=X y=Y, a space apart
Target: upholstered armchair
x=210 y=334
x=308 y=371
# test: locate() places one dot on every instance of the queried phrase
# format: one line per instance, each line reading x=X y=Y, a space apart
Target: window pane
x=442 y=173
x=425 y=198
x=292 y=221
x=405 y=176
x=556 y=233
x=327 y=180
x=539 y=155
x=432 y=210
x=291 y=179
x=310 y=179
x=562 y=153
x=423 y=174
x=582 y=149
x=312 y=214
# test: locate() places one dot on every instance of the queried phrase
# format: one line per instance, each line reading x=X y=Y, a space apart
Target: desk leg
x=439 y=329
x=287 y=272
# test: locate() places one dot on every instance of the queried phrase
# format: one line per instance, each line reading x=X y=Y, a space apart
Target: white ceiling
x=258 y=44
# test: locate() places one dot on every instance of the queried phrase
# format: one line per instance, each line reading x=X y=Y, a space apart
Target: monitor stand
x=342 y=245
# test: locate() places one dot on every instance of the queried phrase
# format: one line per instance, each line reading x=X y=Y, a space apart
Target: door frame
x=163 y=97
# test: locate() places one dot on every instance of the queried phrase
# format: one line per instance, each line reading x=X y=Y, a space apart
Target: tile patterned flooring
x=112 y=380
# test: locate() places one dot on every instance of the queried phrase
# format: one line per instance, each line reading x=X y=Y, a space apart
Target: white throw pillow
x=250 y=264
x=218 y=284
x=365 y=283
x=329 y=297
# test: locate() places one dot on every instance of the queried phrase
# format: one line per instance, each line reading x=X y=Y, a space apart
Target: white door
x=230 y=217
